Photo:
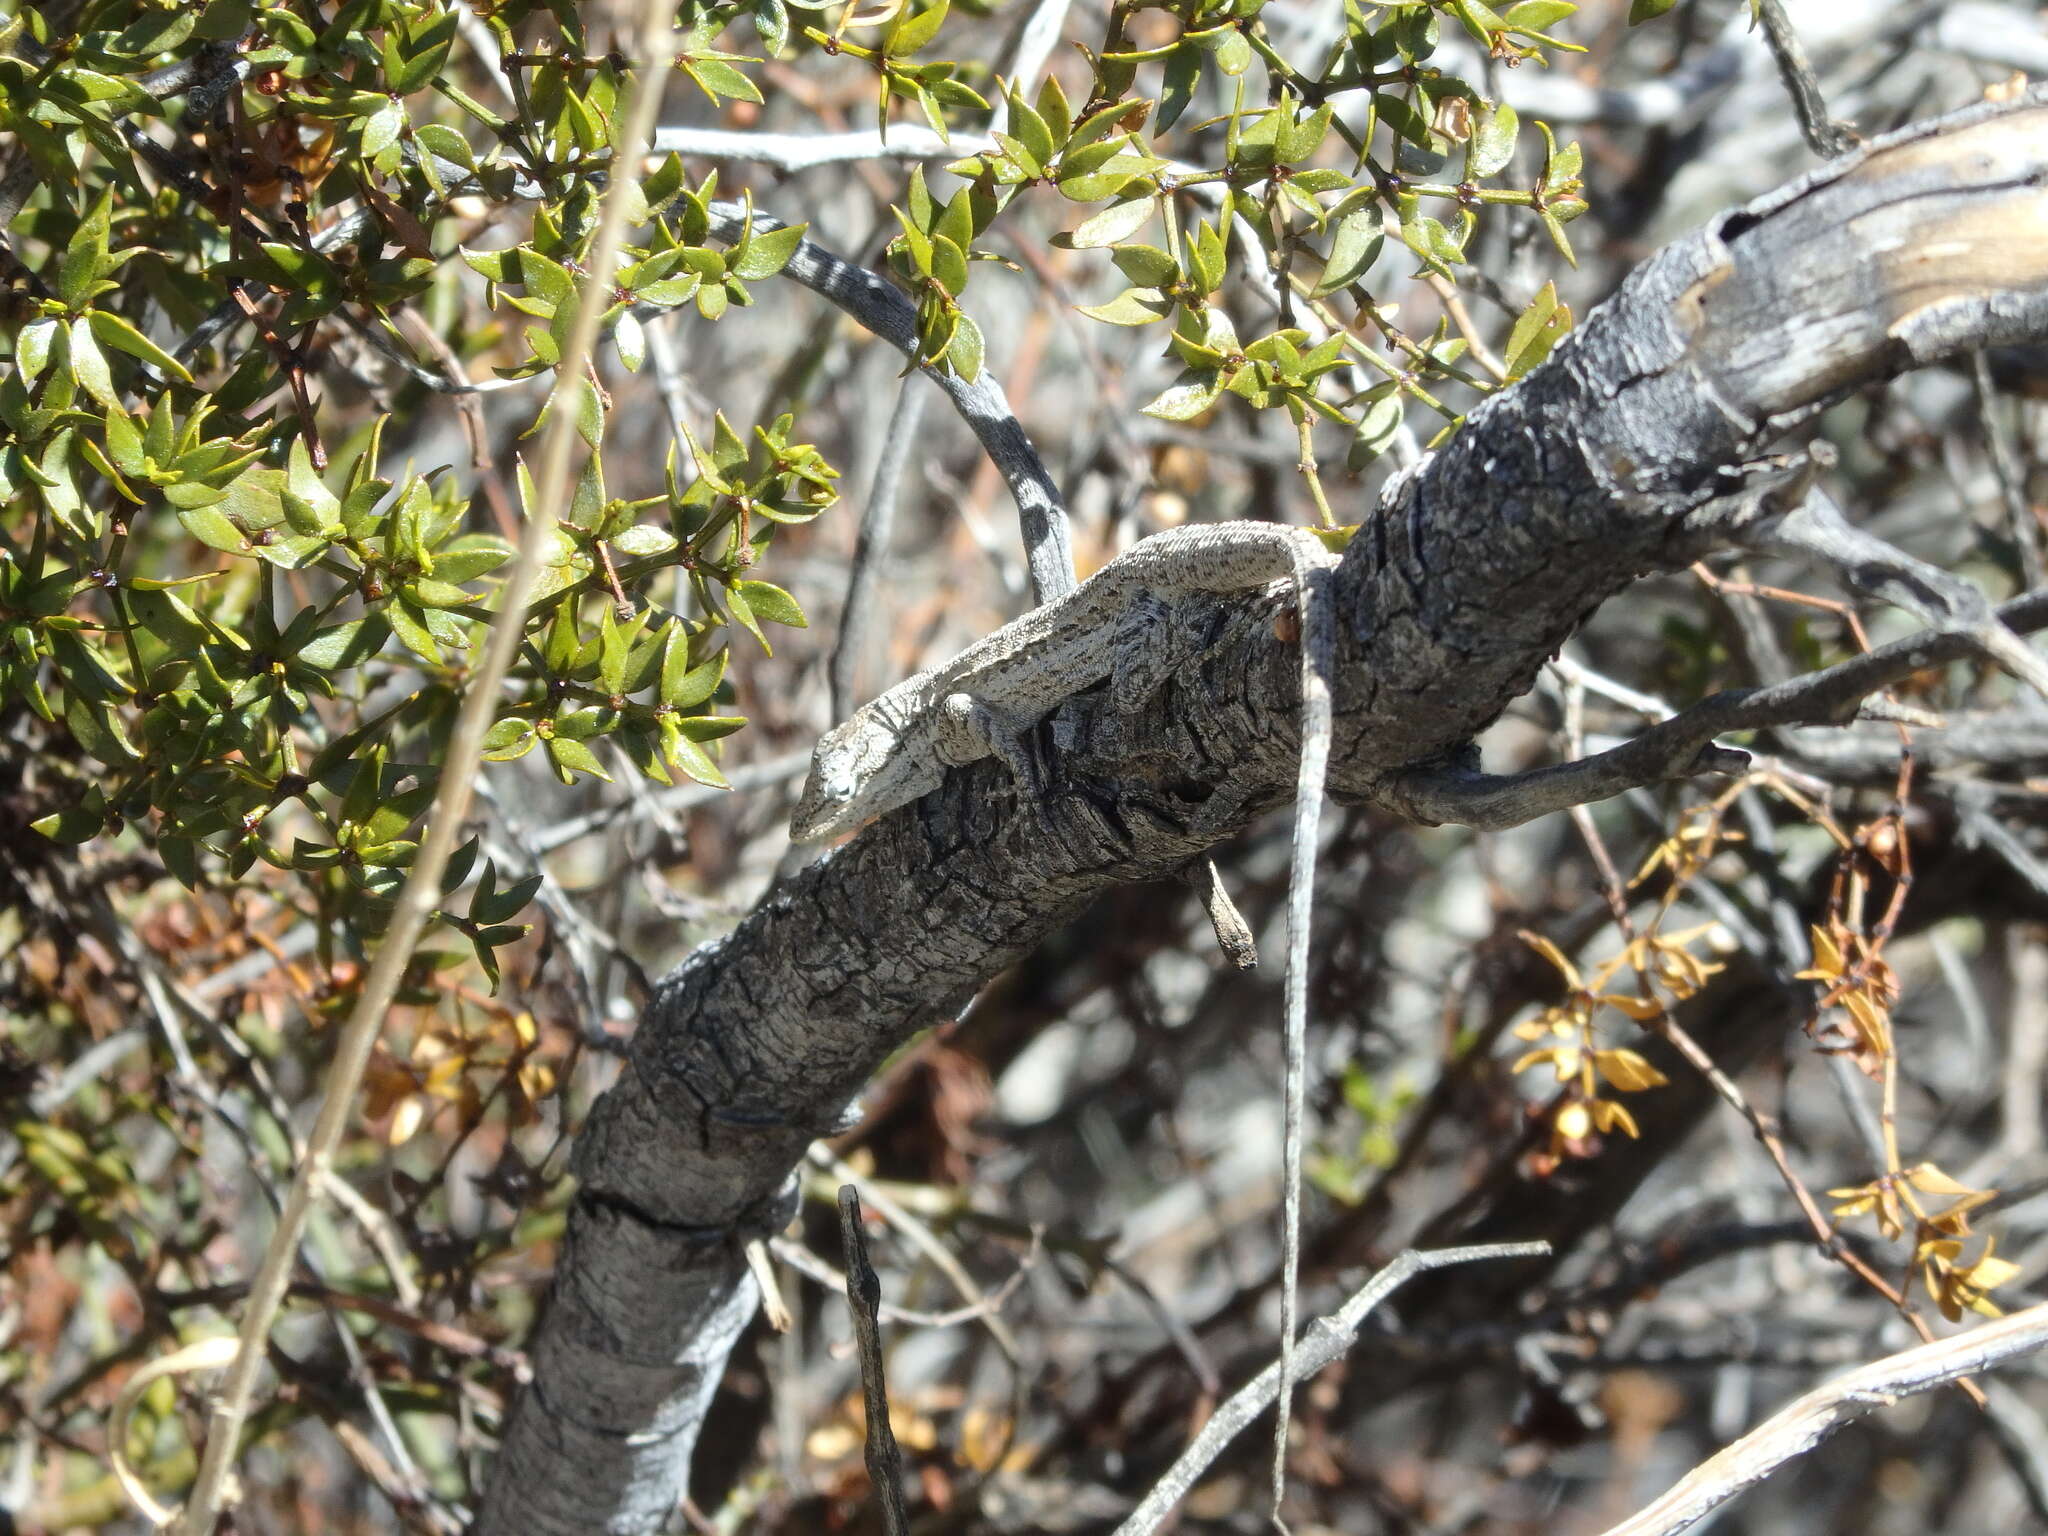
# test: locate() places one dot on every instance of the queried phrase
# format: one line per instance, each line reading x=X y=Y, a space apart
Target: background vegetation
x=286 y=287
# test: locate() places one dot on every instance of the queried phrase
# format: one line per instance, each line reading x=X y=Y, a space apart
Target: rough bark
x=1623 y=455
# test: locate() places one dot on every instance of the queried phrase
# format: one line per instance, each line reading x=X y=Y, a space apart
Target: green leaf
x=291 y=551
x=470 y=556
x=913 y=30
x=768 y=252
x=1493 y=145
x=1177 y=86
x=716 y=78
x=346 y=645
x=963 y=354
x=428 y=593
x=410 y=625
x=89 y=366
x=1539 y=15
x=32 y=347
x=682 y=685
x=1188 y=396
x=508 y=740
x=687 y=756
x=81 y=823
x=503 y=906
x=643 y=541
x=85 y=255
x=1376 y=430
x=630 y=338
x=1112 y=226
x=1553 y=226
x=771 y=603
x=1356 y=247
x=1640 y=11
x=1146 y=266
x=571 y=757
x=1233 y=53
x=1032 y=132
x=210 y=526
x=1537 y=329
x=97 y=729
x=1134 y=306
x=380 y=132
x=117 y=332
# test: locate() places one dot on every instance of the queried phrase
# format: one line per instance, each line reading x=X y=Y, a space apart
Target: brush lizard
x=984 y=701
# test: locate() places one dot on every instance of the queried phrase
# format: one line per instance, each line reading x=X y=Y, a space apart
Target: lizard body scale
x=898 y=747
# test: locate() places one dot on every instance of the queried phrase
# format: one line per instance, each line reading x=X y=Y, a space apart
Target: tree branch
x=1795 y=1430
x=1631 y=450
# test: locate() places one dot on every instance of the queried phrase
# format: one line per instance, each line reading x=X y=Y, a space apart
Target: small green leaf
x=1493 y=145
x=643 y=541
x=410 y=625
x=1112 y=226
x=440 y=139
x=1146 y=266
x=571 y=757
x=1356 y=247
x=210 y=526
x=630 y=338
x=1536 y=331
x=768 y=252
x=346 y=645
x=1188 y=396
x=32 y=346
x=771 y=603
x=80 y=823
x=380 y=132
x=963 y=355
x=89 y=365
x=117 y=332
x=1539 y=15
x=508 y=740
x=913 y=29
x=716 y=78
x=1134 y=306
x=682 y=685
x=86 y=255
x=686 y=755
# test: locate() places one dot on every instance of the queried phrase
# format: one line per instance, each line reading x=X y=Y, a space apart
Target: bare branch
x=1813 y=1418
x=1325 y=1339
x=1683 y=746
x=863 y=1300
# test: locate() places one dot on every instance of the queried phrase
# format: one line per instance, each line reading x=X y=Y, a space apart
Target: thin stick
x=877 y=520
x=1824 y=136
x=1326 y=1339
x=444 y=821
x=863 y=1300
x=1811 y=1419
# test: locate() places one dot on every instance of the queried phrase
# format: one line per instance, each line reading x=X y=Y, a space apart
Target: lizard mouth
x=811 y=822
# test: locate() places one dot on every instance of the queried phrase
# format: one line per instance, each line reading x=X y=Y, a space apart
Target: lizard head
x=847 y=759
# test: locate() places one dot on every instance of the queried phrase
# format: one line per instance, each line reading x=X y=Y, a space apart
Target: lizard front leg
x=966 y=729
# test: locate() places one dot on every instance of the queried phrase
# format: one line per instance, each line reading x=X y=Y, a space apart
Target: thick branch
x=1624 y=454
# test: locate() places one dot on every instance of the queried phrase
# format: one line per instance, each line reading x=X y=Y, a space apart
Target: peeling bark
x=1636 y=448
